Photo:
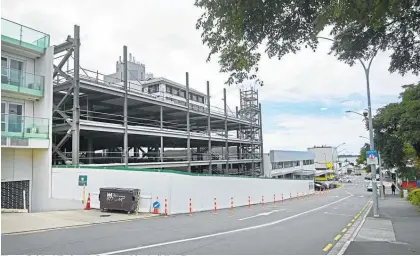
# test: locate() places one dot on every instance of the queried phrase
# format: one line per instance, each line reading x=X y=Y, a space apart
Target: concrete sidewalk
x=12 y=223
x=395 y=232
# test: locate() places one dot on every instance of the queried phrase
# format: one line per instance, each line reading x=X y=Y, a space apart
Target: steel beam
x=187 y=90
x=209 y=126
x=125 y=78
x=63 y=100
x=161 y=137
x=226 y=131
x=62 y=62
x=64 y=115
x=62 y=141
x=262 y=144
x=64 y=46
x=76 y=106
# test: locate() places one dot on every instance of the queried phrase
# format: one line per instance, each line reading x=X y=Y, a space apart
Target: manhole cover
x=105 y=215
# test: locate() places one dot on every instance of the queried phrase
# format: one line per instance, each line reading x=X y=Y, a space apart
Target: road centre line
x=262 y=214
x=225 y=232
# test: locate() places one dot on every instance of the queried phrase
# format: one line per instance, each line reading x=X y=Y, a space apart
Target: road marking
x=348 y=225
x=226 y=232
x=338 y=214
x=337 y=237
x=326 y=248
x=344 y=230
x=262 y=214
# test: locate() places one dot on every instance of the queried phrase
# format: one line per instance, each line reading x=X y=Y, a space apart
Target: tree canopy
x=235 y=29
x=397 y=131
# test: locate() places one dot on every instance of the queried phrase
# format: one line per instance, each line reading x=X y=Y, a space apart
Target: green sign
x=82 y=180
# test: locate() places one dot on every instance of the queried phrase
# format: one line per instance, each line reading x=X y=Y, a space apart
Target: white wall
x=177 y=188
x=16 y=164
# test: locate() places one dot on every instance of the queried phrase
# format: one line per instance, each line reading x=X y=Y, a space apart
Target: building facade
x=26 y=103
x=289 y=164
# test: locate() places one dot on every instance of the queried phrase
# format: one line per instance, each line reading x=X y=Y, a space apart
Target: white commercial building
x=26 y=117
x=26 y=103
x=289 y=164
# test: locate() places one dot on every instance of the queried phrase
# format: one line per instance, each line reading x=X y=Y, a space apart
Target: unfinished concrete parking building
x=131 y=119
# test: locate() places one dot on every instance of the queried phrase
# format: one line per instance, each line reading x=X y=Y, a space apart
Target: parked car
x=370 y=187
x=323 y=186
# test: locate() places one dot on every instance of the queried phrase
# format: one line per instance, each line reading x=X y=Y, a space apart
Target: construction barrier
x=215 y=206
x=190 y=206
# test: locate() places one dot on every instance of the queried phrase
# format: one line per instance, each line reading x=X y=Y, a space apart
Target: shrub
x=414 y=196
x=401 y=193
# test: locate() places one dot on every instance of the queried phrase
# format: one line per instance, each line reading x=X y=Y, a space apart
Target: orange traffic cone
x=88 y=203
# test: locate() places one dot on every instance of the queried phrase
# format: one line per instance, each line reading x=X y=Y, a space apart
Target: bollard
x=249 y=203
x=303 y=195
x=274 y=200
x=282 y=200
x=297 y=195
x=262 y=201
x=215 y=206
x=231 y=206
x=190 y=207
x=290 y=196
x=166 y=207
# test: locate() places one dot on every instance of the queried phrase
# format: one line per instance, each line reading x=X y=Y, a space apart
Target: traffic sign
x=156 y=205
x=82 y=180
x=372 y=157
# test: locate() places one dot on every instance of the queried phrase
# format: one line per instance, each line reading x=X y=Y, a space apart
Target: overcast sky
x=304 y=97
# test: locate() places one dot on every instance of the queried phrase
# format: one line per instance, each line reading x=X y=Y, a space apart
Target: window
x=182 y=93
x=4 y=76
x=201 y=99
x=168 y=89
x=154 y=88
x=3 y=117
x=191 y=96
x=11 y=117
x=16 y=69
x=175 y=91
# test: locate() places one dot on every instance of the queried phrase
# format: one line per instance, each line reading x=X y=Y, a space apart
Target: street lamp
x=366 y=69
x=332 y=156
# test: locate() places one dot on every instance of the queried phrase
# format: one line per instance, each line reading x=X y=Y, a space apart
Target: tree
x=235 y=29
x=397 y=132
x=362 y=156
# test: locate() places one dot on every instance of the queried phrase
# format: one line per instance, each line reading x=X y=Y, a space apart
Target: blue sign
x=372 y=157
x=156 y=204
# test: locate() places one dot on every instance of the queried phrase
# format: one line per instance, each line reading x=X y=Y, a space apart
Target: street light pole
x=372 y=147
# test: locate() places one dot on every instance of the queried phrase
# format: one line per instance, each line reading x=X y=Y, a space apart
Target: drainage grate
x=105 y=215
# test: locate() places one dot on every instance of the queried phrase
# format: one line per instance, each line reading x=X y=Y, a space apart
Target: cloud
x=298 y=132
x=162 y=35
x=323 y=109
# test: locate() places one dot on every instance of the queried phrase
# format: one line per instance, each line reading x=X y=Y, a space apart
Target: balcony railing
x=19 y=81
x=17 y=34
x=18 y=126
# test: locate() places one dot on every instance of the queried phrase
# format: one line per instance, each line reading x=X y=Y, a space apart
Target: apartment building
x=26 y=104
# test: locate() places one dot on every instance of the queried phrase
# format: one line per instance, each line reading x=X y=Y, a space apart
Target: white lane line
x=262 y=214
x=338 y=214
x=226 y=232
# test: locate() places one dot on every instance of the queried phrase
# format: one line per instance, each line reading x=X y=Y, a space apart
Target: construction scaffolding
x=148 y=123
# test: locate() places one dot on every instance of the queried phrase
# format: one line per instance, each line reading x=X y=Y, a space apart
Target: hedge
x=414 y=197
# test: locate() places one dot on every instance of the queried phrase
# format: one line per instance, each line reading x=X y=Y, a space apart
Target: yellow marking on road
x=327 y=248
x=353 y=220
x=348 y=225
x=337 y=237
x=344 y=230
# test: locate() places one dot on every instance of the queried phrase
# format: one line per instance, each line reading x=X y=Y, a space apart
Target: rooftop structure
x=129 y=118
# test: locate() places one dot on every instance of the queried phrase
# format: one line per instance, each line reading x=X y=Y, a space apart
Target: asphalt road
x=302 y=226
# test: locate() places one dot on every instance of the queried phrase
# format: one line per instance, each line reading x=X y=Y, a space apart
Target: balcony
x=17 y=81
x=27 y=127
x=18 y=35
